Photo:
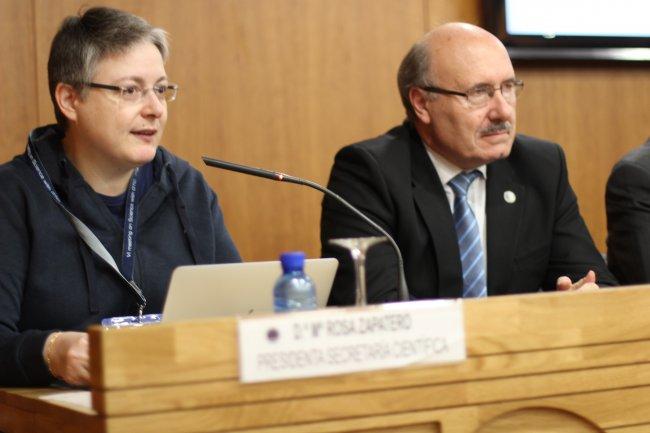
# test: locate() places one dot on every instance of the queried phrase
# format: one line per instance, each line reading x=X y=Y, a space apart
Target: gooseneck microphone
x=281 y=177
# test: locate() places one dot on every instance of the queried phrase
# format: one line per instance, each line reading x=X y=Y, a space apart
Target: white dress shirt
x=475 y=195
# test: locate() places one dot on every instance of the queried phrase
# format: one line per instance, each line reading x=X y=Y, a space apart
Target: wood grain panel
x=347 y=406
x=284 y=84
x=618 y=411
x=498 y=375
x=640 y=428
x=18 y=112
x=420 y=428
x=568 y=334
x=539 y=420
x=194 y=358
x=443 y=11
x=597 y=114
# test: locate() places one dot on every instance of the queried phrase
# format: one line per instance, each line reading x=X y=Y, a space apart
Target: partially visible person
x=95 y=215
x=476 y=209
x=627 y=200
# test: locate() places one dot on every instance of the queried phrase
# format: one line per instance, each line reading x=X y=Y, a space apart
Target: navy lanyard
x=130 y=223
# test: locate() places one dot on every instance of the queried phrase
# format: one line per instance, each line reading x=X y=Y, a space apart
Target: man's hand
x=588 y=282
x=66 y=354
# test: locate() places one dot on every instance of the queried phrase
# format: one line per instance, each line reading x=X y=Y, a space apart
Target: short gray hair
x=84 y=40
x=413 y=72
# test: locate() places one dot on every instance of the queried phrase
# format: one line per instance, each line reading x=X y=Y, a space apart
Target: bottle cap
x=292 y=261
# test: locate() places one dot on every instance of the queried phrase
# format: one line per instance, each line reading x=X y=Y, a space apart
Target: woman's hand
x=66 y=355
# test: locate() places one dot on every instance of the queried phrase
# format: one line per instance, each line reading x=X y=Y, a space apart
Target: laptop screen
x=236 y=288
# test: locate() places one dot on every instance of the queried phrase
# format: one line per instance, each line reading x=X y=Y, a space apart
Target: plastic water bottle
x=294 y=290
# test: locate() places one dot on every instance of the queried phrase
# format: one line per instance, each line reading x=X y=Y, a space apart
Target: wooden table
x=575 y=362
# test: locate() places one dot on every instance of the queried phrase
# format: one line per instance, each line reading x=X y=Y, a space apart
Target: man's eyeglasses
x=480 y=95
x=133 y=94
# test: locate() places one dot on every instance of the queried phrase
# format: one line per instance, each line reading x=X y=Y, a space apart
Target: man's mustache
x=496 y=127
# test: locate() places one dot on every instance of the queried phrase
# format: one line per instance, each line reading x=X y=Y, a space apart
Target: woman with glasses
x=95 y=215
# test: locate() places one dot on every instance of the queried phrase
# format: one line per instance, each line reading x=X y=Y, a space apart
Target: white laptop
x=236 y=288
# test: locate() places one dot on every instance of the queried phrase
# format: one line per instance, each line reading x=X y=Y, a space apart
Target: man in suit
x=475 y=209
x=627 y=199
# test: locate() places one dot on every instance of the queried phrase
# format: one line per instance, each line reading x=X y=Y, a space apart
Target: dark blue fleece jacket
x=50 y=280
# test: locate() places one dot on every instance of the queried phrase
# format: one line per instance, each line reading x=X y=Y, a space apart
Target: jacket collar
x=430 y=198
x=79 y=196
x=46 y=141
x=504 y=205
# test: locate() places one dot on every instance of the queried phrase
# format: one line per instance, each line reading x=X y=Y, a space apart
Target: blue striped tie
x=469 y=239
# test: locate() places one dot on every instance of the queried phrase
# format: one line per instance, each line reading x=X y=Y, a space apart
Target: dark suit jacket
x=627 y=199
x=530 y=242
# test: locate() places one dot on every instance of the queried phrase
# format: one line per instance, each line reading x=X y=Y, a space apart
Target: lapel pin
x=509 y=197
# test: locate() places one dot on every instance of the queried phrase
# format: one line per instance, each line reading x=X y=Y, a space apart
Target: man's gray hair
x=84 y=40
x=413 y=72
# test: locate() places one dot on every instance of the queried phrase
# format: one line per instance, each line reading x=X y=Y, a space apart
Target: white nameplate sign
x=344 y=340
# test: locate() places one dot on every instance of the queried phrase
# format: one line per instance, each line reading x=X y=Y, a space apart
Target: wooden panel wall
x=18 y=98
x=597 y=114
x=283 y=84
